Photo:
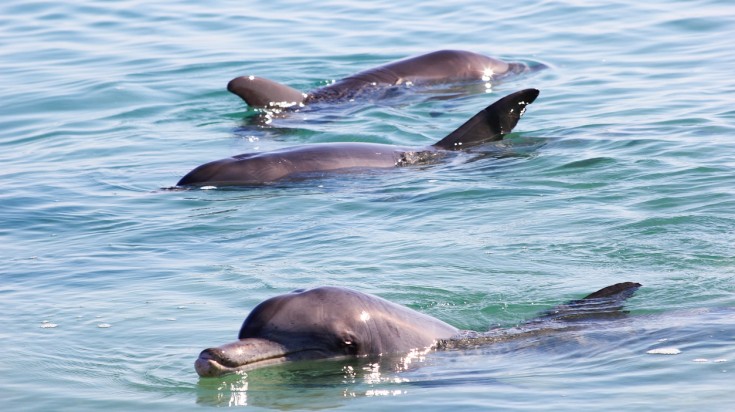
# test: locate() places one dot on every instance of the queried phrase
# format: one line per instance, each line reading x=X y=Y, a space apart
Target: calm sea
x=622 y=170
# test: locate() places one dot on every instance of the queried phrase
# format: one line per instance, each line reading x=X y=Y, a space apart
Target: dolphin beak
x=243 y=355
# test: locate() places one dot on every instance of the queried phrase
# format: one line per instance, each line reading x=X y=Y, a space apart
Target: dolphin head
x=326 y=322
x=245 y=169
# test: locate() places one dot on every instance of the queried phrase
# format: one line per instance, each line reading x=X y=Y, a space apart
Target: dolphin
x=490 y=124
x=443 y=66
x=334 y=322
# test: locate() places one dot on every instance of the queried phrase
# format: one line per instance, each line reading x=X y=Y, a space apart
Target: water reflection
x=313 y=384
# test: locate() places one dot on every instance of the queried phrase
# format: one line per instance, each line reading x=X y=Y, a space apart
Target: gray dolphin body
x=443 y=66
x=490 y=124
x=333 y=322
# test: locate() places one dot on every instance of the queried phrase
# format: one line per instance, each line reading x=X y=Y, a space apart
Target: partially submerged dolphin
x=334 y=322
x=488 y=125
x=443 y=66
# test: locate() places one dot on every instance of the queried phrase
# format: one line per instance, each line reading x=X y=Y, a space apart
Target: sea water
x=622 y=170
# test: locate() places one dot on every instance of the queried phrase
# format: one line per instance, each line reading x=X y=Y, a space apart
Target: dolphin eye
x=349 y=346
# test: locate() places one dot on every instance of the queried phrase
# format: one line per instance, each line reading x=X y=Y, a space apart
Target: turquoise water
x=622 y=170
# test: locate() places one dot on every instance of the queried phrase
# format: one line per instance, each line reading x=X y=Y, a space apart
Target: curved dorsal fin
x=491 y=123
x=261 y=92
x=605 y=303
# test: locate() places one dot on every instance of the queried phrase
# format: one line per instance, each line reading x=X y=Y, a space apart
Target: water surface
x=622 y=170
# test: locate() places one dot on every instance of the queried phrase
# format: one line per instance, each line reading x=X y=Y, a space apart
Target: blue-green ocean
x=622 y=170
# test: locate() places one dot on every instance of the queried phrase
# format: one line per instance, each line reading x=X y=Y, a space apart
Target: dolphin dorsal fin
x=261 y=92
x=618 y=291
x=605 y=303
x=491 y=123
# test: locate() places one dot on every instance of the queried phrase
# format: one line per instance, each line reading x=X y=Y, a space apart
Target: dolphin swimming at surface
x=442 y=66
x=249 y=169
x=334 y=322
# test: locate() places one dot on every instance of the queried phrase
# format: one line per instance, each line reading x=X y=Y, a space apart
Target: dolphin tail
x=491 y=123
x=606 y=303
x=260 y=92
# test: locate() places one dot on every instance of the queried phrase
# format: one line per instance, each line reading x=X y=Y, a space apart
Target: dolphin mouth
x=209 y=367
x=242 y=356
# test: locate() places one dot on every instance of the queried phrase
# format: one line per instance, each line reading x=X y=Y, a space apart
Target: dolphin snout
x=239 y=356
x=217 y=355
x=215 y=362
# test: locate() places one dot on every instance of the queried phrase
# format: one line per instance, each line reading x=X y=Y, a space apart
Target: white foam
x=664 y=351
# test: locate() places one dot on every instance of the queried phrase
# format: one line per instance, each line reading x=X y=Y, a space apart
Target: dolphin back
x=491 y=123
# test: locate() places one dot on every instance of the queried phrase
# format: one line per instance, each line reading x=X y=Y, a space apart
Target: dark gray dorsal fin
x=491 y=123
x=605 y=303
x=618 y=291
x=261 y=92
